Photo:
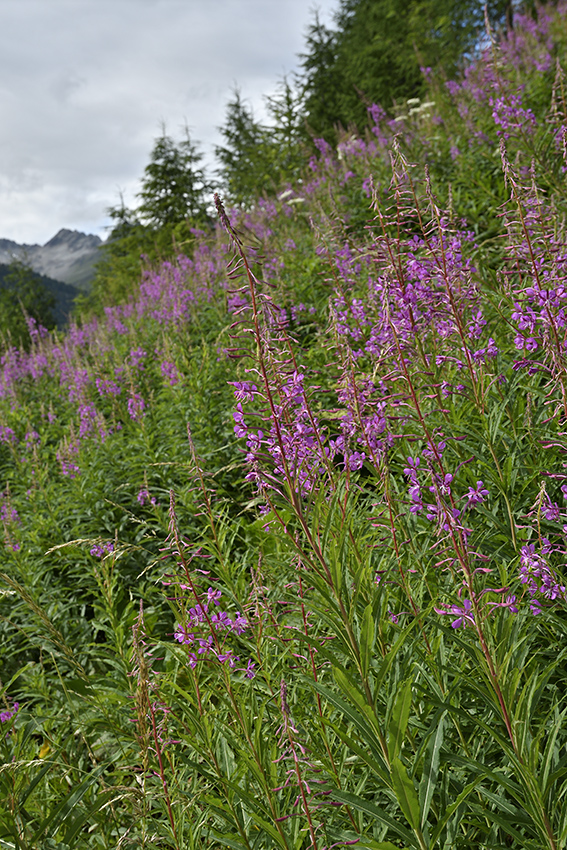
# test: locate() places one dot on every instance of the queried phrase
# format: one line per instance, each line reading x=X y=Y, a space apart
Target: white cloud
x=85 y=85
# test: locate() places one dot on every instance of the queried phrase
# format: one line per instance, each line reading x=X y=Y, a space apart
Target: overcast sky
x=85 y=85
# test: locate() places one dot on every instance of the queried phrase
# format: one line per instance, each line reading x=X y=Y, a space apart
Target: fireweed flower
x=99 y=550
x=550 y=510
x=137 y=356
x=442 y=485
x=240 y=428
x=136 y=406
x=169 y=372
x=66 y=455
x=539 y=578
x=465 y=614
x=7 y=435
x=510 y=115
x=200 y=619
x=108 y=388
x=7 y=715
x=292 y=447
x=10 y=522
x=509 y=603
x=411 y=469
x=414 y=493
x=476 y=496
x=243 y=391
x=144 y=496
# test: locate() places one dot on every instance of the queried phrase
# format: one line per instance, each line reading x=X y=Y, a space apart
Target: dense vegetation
x=284 y=530
x=377 y=52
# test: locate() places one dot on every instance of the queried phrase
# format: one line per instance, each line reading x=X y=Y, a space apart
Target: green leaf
x=235 y=843
x=399 y=721
x=430 y=771
x=405 y=792
x=367 y=637
x=365 y=730
x=549 y=749
x=72 y=828
x=348 y=686
x=450 y=810
x=363 y=752
x=61 y=812
x=375 y=812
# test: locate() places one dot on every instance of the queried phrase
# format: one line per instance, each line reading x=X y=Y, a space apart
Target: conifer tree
x=257 y=158
x=242 y=166
x=174 y=185
x=377 y=48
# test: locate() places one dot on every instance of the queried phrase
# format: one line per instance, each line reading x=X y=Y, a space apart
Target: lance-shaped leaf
x=405 y=792
x=430 y=771
x=367 y=636
x=399 y=720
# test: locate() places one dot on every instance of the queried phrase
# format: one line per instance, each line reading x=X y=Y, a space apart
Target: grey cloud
x=84 y=88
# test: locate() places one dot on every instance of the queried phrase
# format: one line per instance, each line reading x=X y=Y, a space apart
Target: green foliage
x=308 y=620
x=259 y=158
x=22 y=293
x=174 y=186
x=375 y=52
x=173 y=203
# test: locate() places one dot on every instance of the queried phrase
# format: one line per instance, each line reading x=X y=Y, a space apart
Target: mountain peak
x=74 y=240
x=69 y=256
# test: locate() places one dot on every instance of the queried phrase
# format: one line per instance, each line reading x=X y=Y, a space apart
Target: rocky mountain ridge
x=69 y=256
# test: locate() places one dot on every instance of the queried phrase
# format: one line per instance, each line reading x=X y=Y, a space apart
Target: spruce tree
x=257 y=158
x=174 y=186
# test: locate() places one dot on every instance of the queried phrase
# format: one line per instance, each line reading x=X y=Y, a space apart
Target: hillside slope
x=284 y=536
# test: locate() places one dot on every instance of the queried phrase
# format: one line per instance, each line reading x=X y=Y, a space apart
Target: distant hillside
x=64 y=294
x=69 y=256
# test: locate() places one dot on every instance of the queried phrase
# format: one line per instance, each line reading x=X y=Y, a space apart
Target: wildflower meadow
x=284 y=533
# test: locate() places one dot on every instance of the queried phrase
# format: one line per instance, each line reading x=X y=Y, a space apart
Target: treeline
x=378 y=52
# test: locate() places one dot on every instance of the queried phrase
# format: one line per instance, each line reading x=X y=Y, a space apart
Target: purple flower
x=356 y=460
x=476 y=495
x=243 y=390
x=169 y=372
x=509 y=114
x=8 y=436
x=137 y=355
x=465 y=612
x=550 y=510
x=509 y=603
x=108 y=388
x=99 y=550
x=136 y=406
x=183 y=635
x=536 y=574
x=411 y=469
x=7 y=715
x=240 y=428
x=414 y=493
x=213 y=596
x=442 y=485
x=144 y=496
